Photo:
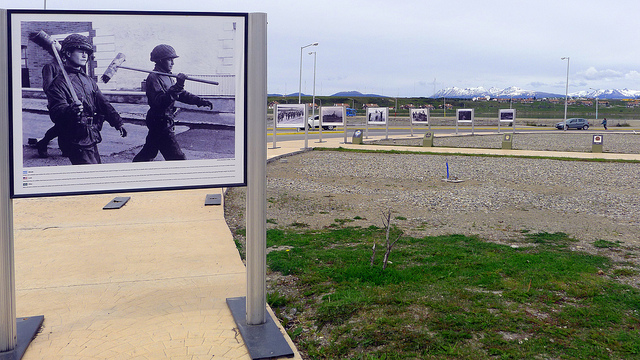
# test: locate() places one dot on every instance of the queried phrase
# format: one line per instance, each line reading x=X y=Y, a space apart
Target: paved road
x=197 y=142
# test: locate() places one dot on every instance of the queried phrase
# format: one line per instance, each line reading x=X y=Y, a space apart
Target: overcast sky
x=410 y=48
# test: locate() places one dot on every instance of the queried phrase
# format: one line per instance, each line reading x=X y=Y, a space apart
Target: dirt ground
x=314 y=191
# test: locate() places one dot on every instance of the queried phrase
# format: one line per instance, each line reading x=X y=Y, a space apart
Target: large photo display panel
x=333 y=115
x=377 y=115
x=290 y=115
x=126 y=101
x=507 y=115
x=419 y=116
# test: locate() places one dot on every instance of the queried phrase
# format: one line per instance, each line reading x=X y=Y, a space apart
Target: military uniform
x=162 y=93
x=79 y=134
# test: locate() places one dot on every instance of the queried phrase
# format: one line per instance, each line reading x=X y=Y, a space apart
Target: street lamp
x=596 y=102
x=566 y=94
x=300 y=87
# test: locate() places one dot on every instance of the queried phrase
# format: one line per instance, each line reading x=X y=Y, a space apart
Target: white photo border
x=460 y=118
x=283 y=109
x=413 y=113
x=375 y=110
x=335 y=109
x=205 y=172
x=507 y=115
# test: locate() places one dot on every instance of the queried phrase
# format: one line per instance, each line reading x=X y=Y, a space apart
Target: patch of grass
x=605 y=244
x=624 y=272
x=240 y=248
x=454 y=297
x=239 y=245
x=401 y=218
x=343 y=221
x=550 y=239
x=276 y=300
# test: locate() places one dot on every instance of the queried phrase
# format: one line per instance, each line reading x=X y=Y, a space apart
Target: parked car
x=313 y=122
x=573 y=123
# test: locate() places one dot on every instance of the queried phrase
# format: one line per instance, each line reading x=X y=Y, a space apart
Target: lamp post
x=313 y=104
x=596 y=102
x=566 y=94
x=300 y=87
x=353 y=103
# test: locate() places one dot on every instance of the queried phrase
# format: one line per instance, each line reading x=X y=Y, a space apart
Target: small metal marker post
x=507 y=141
x=357 y=137
x=427 y=141
x=597 y=143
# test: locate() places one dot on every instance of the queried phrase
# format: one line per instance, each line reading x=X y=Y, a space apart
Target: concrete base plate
x=27 y=329
x=264 y=341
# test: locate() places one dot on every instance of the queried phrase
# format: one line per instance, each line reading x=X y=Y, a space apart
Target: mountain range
x=510 y=92
x=517 y=93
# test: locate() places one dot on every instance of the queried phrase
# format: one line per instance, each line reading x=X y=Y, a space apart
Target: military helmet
x=163 y=51
x=77 y=41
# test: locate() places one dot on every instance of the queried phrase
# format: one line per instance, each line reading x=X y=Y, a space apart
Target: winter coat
x=162 y=94
x=81 y=130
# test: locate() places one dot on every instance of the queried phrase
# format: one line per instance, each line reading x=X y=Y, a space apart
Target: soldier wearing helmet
x=162 y=93
x=79 y=122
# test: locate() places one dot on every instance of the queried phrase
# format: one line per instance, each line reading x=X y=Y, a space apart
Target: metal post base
x=264 y=341
x=27 y=329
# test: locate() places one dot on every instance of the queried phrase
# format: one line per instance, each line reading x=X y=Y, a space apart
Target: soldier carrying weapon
x=162 y=94
x=77 y=106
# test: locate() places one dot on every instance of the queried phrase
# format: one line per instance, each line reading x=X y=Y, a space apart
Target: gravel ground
x=578 y=141
x=498 y=198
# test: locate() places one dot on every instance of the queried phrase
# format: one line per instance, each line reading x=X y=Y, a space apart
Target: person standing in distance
x=79 y=122
x=162 y=93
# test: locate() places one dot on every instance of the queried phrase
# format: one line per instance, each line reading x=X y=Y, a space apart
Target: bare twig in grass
x=386 y=222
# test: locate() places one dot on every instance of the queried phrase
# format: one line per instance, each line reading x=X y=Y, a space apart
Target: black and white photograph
x=106 y=101
x=419 y=116
x=290 y=115
x=377 y=115
x=333 y=115
x=465 y=115
x=507 y=115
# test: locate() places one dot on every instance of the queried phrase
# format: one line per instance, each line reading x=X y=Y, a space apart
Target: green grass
x=604 y=244
x=452 y=297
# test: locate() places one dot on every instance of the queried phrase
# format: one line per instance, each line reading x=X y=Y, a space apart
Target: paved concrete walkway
x=147 y=281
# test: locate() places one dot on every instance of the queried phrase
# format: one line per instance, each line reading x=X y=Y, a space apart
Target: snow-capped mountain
x=608 y=94
x=517 y=93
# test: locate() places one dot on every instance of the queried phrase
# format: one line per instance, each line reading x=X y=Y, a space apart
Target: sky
x=408 y=48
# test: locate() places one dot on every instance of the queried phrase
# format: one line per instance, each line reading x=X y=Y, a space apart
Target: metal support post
x=256 y=169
